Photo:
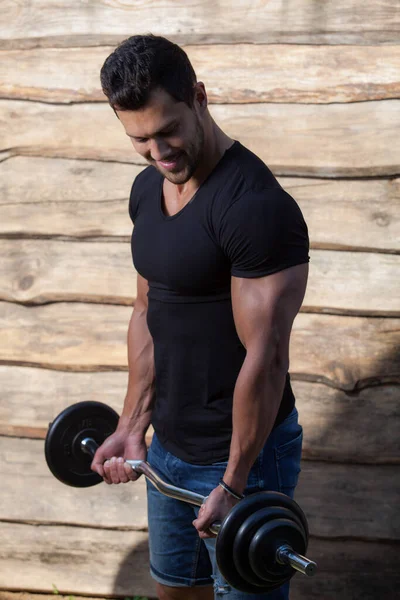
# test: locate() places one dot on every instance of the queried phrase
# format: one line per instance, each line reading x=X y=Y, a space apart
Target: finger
x=97 y=463
x=202 y=529
x=114 y=474
x=107 y=472
x=202 y=524
x=204 y=535
x=97 y=468
x=106 y=478
x=123 y=477
x=130 y=473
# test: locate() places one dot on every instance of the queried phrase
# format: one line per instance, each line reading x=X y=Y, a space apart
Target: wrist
x=134 y=430
x=229 y=490
x=236 y=478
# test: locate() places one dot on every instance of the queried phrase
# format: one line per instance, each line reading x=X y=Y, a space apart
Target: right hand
x=109 y=460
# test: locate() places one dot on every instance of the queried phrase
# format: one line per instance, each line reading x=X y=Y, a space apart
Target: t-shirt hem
x=257 y=273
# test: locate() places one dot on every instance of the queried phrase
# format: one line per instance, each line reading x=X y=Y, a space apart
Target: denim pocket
x=288 y=456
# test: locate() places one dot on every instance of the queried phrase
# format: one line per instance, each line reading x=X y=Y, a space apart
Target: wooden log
x=346 y=352
x=71 y=198
x=352 y=283
x=68 y=333
x=232 y=73
x=340 y=22
x=352 y=140
x=39 y=271
x=330 y=418
x=31 y=398
x=337 y=498
x=100 y=507
x=354 y=501
x=349 y=214
x=47 y=271
x=348 y=570
x=42 y=558
x=28 y=180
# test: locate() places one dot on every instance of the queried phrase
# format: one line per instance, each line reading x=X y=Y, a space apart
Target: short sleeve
x=264 y=232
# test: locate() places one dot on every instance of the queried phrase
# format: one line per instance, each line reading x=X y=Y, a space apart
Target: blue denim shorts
x=178 y=557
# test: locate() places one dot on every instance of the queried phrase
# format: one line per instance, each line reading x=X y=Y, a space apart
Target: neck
x=216 y=142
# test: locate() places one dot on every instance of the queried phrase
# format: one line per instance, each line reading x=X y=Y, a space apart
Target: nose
x=159 y=149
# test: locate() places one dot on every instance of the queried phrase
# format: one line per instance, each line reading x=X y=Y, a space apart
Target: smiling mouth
x=170 y=163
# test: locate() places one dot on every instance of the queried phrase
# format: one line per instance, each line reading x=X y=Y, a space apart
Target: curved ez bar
x=143 y=467
x=284 y=554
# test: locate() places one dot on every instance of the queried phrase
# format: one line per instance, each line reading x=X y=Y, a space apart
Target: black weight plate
x=244 y=536
x=63 y=453
x=266 y=541
x=230 y=526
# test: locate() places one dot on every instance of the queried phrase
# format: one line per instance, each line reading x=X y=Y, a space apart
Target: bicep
x=264 y=308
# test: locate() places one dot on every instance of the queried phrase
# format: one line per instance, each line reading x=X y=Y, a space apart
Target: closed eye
x=168 y=132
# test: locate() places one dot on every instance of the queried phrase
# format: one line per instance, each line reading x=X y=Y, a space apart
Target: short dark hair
x=143 y=63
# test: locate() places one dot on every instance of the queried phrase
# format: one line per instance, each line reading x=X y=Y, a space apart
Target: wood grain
x=31 y=398
x=46 y=271
x=101 y=506
x=337 y=498
x=239 y=73
x=346 y=569
x=333 y=140
x=352 y=283
x=348 y=428
x=41 y=271
x=346 y=352
x=89 y=199
x=349 y=214
x=93 y=23
x=349 y=570
x=41 y=558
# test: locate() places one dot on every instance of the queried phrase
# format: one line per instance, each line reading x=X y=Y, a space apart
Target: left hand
x=215 y=508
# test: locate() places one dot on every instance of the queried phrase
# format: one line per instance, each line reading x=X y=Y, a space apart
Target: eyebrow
x=167 y=126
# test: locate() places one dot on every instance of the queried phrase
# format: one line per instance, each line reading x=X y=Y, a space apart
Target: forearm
x=257 y=396
x=139 y=399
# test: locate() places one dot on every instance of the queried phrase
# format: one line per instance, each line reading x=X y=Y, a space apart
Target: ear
x=200 y=95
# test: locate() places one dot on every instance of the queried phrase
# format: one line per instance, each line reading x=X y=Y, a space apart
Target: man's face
x=168 y=134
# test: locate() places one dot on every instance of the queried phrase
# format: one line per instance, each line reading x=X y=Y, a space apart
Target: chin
x=177 y=178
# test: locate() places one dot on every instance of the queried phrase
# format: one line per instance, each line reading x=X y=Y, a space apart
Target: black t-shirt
x=240 y=222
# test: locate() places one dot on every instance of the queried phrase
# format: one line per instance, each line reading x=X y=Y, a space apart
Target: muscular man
x=221 y=252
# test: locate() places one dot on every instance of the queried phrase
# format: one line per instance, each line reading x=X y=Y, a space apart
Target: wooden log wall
x=314 y=89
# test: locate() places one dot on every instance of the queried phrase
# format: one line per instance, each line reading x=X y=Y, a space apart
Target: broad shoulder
x=243 y=174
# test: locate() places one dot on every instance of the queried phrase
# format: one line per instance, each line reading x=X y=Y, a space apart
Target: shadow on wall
x=347 y=490
x=133 y=578
x=359 y=427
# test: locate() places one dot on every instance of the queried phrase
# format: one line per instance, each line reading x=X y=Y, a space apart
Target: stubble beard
x=192 y=157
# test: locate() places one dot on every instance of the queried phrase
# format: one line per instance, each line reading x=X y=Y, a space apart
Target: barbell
x=261 y=542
